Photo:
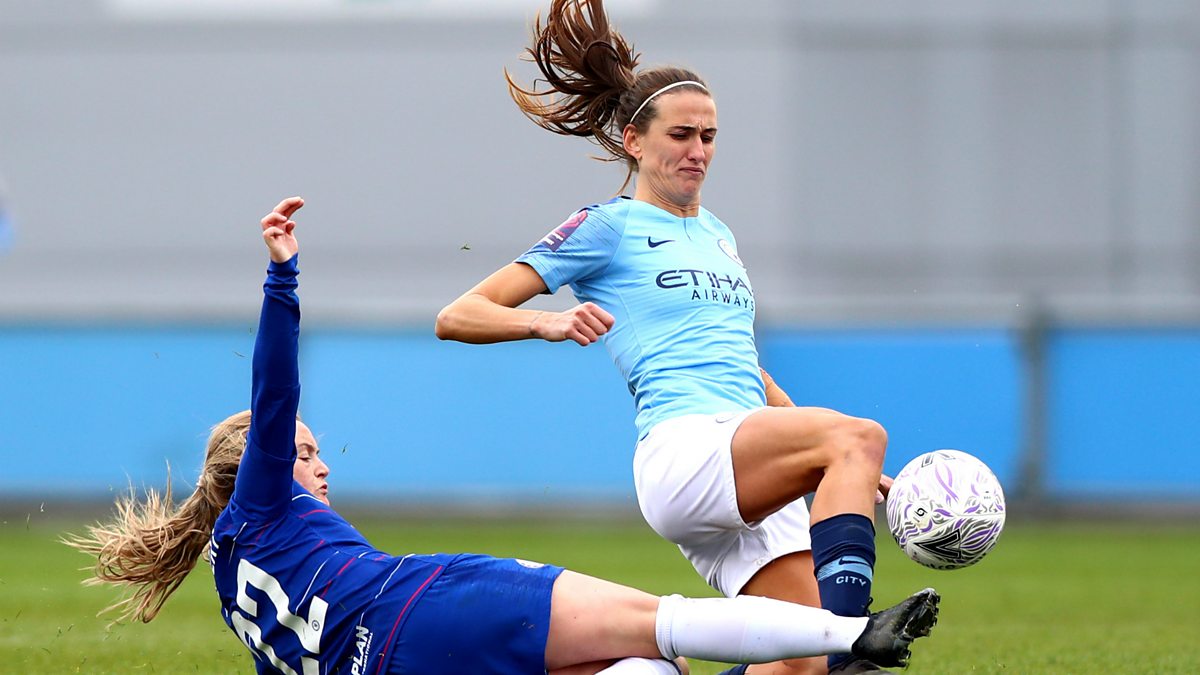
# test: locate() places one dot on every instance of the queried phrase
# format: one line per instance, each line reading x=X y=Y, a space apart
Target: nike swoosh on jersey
x=656 y=244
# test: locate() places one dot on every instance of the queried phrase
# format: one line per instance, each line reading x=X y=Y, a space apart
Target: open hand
x=277 y=230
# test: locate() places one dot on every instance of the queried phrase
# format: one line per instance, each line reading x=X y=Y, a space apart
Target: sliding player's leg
x=593 y=621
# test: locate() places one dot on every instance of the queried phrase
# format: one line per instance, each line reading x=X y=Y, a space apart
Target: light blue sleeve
x=581 y=247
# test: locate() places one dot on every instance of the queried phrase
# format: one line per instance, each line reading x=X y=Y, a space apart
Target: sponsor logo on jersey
x=530 y=564
x=709 y=286
x=655 y=244
x=560 y=234
x=362 y=646
x=702 y=279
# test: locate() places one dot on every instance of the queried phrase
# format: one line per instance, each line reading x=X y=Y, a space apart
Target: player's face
x=675 y=152
x=309 y=471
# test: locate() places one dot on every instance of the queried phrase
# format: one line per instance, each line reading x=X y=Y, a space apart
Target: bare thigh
x=782 y=454
x=594 y=620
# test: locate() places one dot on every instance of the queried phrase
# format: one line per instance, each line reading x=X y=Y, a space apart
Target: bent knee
x=862 y=440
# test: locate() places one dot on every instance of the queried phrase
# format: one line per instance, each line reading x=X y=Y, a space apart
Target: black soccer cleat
x=885 y=640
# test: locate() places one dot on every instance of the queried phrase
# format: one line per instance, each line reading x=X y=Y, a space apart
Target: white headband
x=669 y=87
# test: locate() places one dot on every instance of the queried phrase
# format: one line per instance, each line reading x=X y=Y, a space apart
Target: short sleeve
x=581 y=247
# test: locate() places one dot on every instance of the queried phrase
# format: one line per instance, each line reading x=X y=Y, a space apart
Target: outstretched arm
x=264 y=480
x=275 y=347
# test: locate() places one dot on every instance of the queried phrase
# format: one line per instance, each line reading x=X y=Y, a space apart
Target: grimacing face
x=309 y=471
x=676 y=150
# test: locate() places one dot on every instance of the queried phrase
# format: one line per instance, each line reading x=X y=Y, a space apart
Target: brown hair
x=152 y=545
x=592 y=89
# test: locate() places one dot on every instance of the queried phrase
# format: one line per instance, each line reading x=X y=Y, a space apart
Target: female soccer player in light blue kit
x=306 y=593
x=723 y=458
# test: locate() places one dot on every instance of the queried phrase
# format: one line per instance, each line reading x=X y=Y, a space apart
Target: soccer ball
x=946 y=509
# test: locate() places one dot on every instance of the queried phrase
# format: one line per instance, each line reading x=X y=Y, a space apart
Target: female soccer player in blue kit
x=723 y=457
x=308 y=594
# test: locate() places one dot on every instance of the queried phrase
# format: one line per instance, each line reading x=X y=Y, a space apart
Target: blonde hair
x=150 y=546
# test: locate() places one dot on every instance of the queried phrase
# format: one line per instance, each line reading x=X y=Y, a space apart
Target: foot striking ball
x=946 y=509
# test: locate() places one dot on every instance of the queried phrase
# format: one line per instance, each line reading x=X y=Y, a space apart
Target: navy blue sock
x=843 y=549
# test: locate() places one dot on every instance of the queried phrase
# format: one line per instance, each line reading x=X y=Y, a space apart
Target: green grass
x=1052 y=598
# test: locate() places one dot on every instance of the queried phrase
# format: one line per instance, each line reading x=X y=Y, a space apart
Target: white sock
x=638 y=666
x=749 y=629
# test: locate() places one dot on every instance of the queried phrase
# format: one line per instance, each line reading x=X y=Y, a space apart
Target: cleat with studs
x=889 y=633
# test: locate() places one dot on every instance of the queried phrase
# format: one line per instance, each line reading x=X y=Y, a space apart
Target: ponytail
x=592 y=87
x=150 y=546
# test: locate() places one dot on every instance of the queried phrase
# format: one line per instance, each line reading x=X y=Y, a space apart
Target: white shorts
x=683 y=473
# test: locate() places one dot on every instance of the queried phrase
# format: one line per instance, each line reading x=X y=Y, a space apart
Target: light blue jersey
x=683 y=335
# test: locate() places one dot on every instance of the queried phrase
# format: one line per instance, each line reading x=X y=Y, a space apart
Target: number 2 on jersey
x=309 y=632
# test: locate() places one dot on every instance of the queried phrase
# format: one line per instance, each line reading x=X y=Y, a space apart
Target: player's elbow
x=454 y=321
x=444 y=327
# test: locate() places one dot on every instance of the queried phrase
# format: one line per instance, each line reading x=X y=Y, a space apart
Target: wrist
x=287 y=266
x=532 y=322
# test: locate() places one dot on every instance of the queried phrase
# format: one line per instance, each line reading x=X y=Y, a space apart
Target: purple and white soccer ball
x=946 y=509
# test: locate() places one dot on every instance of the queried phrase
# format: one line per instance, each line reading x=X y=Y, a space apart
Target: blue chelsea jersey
x=683 y=335
x=304 y=591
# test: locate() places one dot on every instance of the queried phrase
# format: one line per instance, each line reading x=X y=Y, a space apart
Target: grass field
x=1052 y=598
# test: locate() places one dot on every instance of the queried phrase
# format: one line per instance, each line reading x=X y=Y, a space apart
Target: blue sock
x=843 y=549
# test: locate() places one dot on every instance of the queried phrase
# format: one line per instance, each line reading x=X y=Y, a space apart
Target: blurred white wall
x=936 y=160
